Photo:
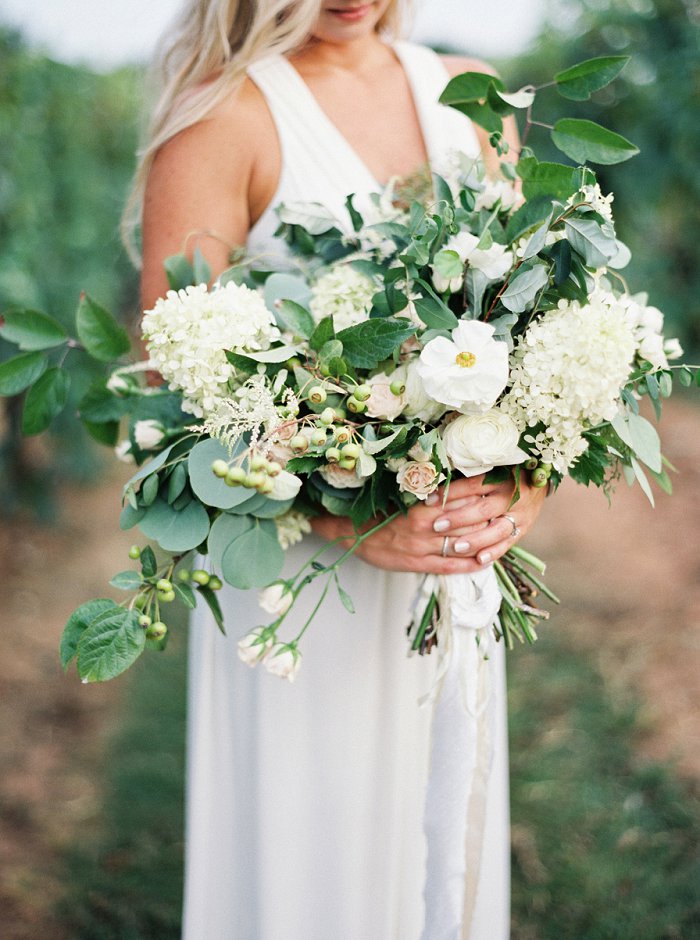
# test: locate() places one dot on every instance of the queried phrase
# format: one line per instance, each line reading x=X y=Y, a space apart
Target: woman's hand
x=460 y=536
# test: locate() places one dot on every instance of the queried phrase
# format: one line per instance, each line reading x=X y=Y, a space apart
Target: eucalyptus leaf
x=225 y=530
x=152 y=466
x=99 y=332
x=642 y=480
x=45 y=400
x=32 y=330
x=279 y=287
x=130 y=516
x=210 y=489
x=585 y=141
x=78 y=622
x=255 y=558
x=645 y=441
x=177 y=481
x=312 y=216
x=292 y=316
x=19 y=372
x=200 y=267
x=110 y=645
x=175 y=531
x=149 y=489
x=580 y=81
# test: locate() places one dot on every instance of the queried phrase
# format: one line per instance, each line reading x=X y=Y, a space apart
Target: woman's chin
x=346 y=22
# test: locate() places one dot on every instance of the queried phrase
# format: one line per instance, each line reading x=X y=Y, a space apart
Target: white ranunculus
x=284 y=661
x=276 y=598
x=493 y=262
x=469 y=371
x=478 y=443
x=418 y=477
x=254 y=646
x=382 y=403
x=148 y=434
x=285 y=486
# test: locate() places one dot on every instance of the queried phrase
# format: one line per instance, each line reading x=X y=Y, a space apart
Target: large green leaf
x=312 y=216
x=99 y=332
x=209 y=488
x=175 y=531
x=225 y=530
x=524 y=288
x=589 y=239
x=30 y=329
x=98 y=404
x=279 y=287
x=292 y=316
x=110 y=645
x=45 y=400
x=469 y=87
x=580 y=81
x=255 y=558
x=546 y=179
x=78 y=622
x=585 y=141
x=367 y=344
x=18 y=373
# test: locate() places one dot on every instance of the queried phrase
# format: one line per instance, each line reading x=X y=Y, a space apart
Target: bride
x=305 y=803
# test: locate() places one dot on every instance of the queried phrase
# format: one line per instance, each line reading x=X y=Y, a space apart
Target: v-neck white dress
x=305 y=801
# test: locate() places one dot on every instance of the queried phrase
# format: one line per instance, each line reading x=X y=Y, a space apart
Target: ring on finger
x=516 y=531
x=445 y=546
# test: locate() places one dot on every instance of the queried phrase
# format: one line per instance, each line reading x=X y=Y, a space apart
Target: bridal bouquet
x=483 y=328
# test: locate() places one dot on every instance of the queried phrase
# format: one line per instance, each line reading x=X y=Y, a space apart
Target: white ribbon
x=461 y=752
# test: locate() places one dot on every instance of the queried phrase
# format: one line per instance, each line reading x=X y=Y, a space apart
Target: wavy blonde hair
x=204 y=58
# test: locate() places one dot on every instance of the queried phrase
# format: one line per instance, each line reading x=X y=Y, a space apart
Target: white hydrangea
x=648 y=323
x=566 y=374
x=593 y=195
x=292 y=526
x=344 y=293
x=187 y=332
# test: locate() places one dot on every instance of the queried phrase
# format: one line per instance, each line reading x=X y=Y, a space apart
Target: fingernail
x=484 y=557
x=462 y=546
x=441 y=525
x=432 y=499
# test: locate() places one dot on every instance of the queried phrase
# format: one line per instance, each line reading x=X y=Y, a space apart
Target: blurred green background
x=111 y=868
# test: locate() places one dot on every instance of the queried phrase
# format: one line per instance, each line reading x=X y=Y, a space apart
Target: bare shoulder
x=456 y=64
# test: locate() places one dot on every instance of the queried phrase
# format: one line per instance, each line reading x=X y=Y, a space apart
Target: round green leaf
x=585 y=141
x=225 y=530
x=110 y=645
x=255 y=558
x=175 y=531
x=580 y=81
x=30 y=329
x=286 y=287
x=210 y=489
x=78 y=622
x=99 y=332
x=127 y=580
x=18 y=373
x=45 y=399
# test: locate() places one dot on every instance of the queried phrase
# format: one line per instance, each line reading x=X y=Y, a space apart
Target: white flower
x=478 y=443
x=647 y=323
x=291 y=526
x=651 y=348
x=285 y=486
x=493 y=262
x=469 y=371
x=123 y=452
x=417 y=477
x=284 y=661
x=148 y=434
x=118 y=384
x=593 y=195
x=673 y=349
x=418 y=404
x=343 y=293
x=494 y=191
x=188 y=331
x=276 y=598
x=253 y=647
x=566 y=374
x=382 y=403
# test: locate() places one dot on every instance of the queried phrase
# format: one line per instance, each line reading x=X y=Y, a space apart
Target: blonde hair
x=204 y=58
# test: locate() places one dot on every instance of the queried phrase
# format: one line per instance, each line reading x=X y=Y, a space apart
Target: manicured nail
x=441 y=525
x=484 y=558
x=432 y=499
x=462 y=546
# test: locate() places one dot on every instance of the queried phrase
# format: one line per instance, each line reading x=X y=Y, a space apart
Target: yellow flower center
x=465 y=359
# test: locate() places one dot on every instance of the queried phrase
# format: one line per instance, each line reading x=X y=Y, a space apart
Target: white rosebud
x=117 y=384
x=253 y=647
x=417 y=453
x=276 y=598
x=478 y=443
x=148 y=434
x=123 y=452
x=285 y=486
x=284 y=661
x=417 y=477
x=651 y=348
x=382 y=403
x=442 y=283
x=673 y=349
x=469 y=371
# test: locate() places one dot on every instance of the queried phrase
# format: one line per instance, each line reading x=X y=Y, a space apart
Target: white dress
x=305 y=802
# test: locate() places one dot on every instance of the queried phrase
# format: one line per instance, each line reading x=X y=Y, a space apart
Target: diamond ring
x=516 y=531
x=445 y=546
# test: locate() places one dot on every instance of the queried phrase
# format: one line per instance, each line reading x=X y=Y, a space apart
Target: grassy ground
x=605 y=845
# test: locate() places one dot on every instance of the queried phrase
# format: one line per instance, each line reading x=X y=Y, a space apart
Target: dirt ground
x=628 y=576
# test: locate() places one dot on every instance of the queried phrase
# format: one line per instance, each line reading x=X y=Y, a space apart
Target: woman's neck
x=359 y=55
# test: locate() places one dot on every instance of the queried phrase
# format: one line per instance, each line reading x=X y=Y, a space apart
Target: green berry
x=355 y=406
x=299 y=443
x=274 y=469
x=340 y=414
x=144 y=620
x=317 y=394
x=166 y=597
x=141 y=601
x=157 y=630
x=293 y=363
x=351 y=451
x=318 y=437
x=547 y=467
x=363 y=392
x=200 y=576
x=332 y=455
x=397 y=388
x=347 y=463
x=219 y=468
x=266 y=487
x=255 y=480
x=215 y=583
x=539 y=477
x=183 y=575
x=235 y=476
x=324 y=370
x=164 y=585
x=327 y=416
x=343 y=435
x=531 y=464
x=258 y=462
x=134 y=552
